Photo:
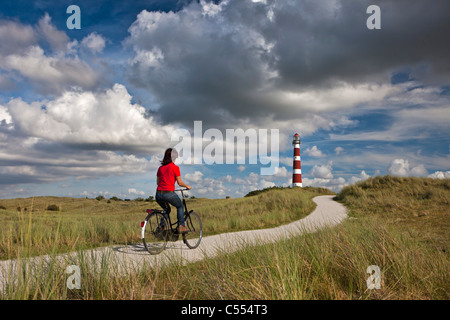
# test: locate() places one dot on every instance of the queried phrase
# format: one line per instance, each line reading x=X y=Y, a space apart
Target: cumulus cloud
x=50 y=74
x=14 y=37
x=5 y=117
x=282 y=172
x=57 y=39
x=322 y=176
x=194 y=177
x=440 y=175
x=326 y=179
x=209 y=187
x=246 y=64
x=322 y=172
x=314 y=152
x=133 y=191
x=94 y=42
x=400 y=167
x=333 y=184
x=80 y=134
x=419 y=170
x=237 y=186
x=279 y=174
x=50 y=71
x=269 y=62
x=106 y=120
x=361 y=177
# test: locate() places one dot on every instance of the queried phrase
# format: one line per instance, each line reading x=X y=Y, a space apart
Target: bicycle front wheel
x=194 y=236
x=155 y=233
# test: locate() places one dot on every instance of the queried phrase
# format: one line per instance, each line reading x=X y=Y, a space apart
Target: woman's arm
x=182 y=184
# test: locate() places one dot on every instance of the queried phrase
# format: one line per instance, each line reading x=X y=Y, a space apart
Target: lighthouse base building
x=297 y=167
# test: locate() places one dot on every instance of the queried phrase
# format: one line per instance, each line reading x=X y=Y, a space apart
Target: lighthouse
x=297 y=174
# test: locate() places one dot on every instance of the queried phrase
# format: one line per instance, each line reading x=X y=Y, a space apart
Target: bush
x=256 y=192
x=100 y=198
x=53 y=207
x=2 y=207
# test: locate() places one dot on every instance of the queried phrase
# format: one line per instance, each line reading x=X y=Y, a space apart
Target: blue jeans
x=163 y=199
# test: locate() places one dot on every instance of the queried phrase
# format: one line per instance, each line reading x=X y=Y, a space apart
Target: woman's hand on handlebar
x=182 y=184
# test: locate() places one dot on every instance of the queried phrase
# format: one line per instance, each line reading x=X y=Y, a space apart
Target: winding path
x=328 y=213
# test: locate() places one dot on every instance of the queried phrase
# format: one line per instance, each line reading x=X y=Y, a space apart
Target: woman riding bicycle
x=166 y=176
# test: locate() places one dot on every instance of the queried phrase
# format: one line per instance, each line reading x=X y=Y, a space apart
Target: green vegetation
x=37 y=229
x=53 y=207
x=265 y=210
x=419 y=207
x=399 y=224
x=309 y=189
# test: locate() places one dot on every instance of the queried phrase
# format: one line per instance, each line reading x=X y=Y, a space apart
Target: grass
x=386 y=228
x=417 y=206
x=398 y=224
x=329 y=264
x=28 y=228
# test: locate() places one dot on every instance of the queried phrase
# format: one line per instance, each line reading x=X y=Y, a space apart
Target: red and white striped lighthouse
x=297 y=174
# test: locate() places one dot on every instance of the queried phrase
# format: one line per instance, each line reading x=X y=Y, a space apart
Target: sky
x=90 y=111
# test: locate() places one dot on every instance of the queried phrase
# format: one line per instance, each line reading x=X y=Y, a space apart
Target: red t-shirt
x=167 y=176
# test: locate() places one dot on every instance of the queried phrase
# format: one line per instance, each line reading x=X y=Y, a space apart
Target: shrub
x=53 y=207
x=256 y=192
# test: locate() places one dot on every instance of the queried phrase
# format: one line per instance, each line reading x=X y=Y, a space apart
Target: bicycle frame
x=166 y=213
x=191 y=238
x=184 y=201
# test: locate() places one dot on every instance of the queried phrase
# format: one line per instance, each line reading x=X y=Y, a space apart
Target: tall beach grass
x=398 y=224
x=27 y=228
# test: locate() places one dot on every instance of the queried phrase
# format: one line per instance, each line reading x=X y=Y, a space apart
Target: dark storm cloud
x=41 y=56
x=238 y=60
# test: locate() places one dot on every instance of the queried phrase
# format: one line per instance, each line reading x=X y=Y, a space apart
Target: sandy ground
x=328 y=213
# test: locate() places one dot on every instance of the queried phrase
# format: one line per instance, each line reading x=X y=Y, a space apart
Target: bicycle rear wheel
x=155 y=233
x=194 y=236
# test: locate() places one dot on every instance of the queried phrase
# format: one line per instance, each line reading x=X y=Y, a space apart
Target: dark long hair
x=168 y=157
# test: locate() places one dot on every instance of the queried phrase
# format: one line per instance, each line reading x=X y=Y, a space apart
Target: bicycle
x=158 y=229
